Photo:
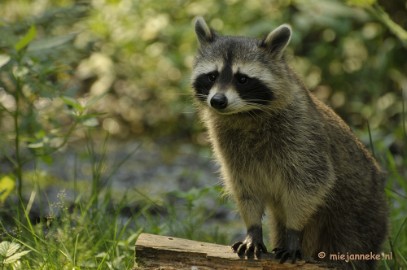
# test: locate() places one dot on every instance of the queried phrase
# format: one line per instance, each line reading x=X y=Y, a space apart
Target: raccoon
x=285 y=153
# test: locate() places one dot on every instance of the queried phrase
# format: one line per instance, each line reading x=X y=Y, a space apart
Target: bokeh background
x=95 y=98
x=137 y=56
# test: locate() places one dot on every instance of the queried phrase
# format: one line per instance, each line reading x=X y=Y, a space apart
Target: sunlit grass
x=77 y=238
x=98 y=228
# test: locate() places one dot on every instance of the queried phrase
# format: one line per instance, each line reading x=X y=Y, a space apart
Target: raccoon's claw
x=249 y=249
x=252 y=245
x=284 y=254
x=292 y=247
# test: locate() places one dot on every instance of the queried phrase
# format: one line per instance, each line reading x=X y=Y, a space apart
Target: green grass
x=396 y=191
x=78 y=237
x=86 y=236
x=99 y=228
x=87 y=233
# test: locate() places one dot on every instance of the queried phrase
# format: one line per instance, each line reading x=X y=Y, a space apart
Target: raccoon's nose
x=219 y=101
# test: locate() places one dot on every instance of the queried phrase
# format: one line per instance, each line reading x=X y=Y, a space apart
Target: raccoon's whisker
x=182 y=94
x=261 y=107
x=257 y=104
x=252 y=115
x=256 y=101
x=201 y=96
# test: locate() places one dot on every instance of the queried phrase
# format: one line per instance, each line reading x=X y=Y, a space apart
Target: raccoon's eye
x=212 y=76
x=242 y=79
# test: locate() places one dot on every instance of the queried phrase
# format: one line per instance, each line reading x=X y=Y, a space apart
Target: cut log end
x=171 y=253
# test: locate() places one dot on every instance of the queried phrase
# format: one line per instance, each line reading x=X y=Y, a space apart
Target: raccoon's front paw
x=291 y=250
x=249 y=248
x=252 y=245
x=284 y=254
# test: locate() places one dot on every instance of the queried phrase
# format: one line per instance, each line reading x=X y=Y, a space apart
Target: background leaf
x=15 y=257
x=4 y=246
x=4 y=59
x=25 y=40
x=7 y=249
x=7 y=185
x=361 y=3
x=50 y=43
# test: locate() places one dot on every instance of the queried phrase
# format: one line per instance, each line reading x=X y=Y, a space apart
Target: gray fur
x=204 y=33
x=293 y=158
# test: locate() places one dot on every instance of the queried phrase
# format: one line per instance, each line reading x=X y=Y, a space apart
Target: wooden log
x=170 y=253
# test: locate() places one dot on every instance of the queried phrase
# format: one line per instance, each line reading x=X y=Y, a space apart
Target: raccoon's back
x=359 y=179
x=347 y=151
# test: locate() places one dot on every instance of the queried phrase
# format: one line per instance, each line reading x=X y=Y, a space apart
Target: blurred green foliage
x=37 y=118
x=138 y=55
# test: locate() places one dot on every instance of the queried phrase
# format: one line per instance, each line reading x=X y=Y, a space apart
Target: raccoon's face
x=238 y=74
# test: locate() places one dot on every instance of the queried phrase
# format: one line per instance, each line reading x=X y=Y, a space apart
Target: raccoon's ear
x=276 y=41
x=205 y=34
